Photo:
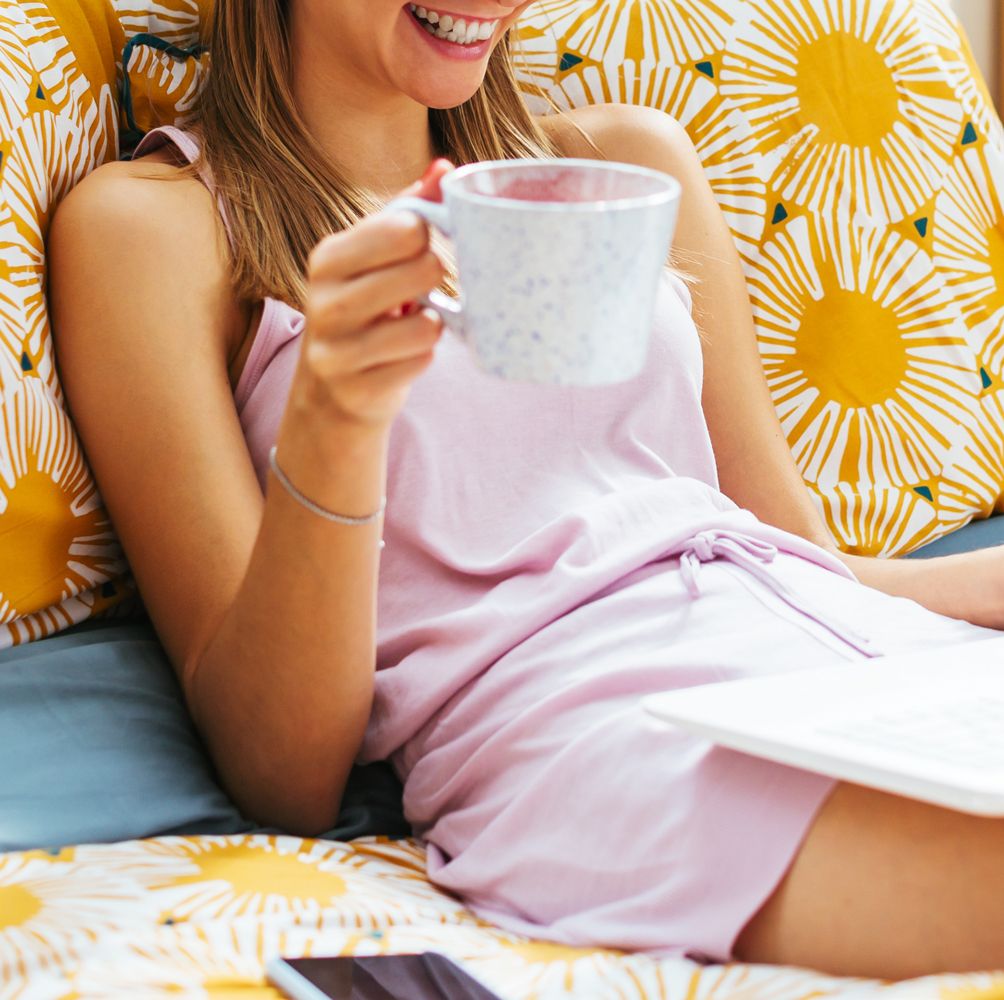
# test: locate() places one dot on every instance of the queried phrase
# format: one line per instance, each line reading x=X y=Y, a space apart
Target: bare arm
x=267 y=612
x=755 y=465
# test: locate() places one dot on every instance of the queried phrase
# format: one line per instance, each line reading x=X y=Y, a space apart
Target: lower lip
x=464 y=53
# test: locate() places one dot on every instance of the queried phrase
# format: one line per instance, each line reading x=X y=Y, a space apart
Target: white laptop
x=929 y=725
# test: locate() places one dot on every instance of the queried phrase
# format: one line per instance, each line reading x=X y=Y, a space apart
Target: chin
x=442 y=98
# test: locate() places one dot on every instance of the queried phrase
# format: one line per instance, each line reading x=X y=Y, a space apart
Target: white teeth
x=458 y=31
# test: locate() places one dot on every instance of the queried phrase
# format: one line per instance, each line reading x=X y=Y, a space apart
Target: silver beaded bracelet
x=328 y=515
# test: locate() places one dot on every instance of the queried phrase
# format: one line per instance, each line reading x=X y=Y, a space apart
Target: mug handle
x=438 y=215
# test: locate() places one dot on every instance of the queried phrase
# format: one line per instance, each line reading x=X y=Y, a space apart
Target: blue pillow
x=96 y=745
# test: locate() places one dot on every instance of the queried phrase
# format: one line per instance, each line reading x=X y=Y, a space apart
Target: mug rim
x=670 y=193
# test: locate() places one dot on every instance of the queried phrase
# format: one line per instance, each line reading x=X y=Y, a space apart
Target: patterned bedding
x=197 y=917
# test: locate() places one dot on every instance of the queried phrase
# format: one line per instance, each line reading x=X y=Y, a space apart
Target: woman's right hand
x=366 y=339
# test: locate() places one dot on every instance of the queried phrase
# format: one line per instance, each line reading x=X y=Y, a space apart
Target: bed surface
x=197 y=917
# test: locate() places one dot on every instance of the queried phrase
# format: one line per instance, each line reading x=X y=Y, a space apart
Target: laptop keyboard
x=966 y=733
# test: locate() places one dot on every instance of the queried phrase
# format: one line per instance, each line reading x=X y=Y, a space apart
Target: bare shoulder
x=146 y=233
x=149 y=202
x=643 y=136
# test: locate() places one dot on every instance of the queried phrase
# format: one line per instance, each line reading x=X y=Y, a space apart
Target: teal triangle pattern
x=969 y=135
x=921 y=226
x=780 y=214
x=706 y=68
x=925 y=492
x=40 y=94
x=568 y=60
x=26 y=365
x=985 y=378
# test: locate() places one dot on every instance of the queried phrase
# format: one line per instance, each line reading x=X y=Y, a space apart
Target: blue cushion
x=96 y=745
x=975 y=535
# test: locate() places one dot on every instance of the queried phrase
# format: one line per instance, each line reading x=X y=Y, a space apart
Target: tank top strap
x=188 y=149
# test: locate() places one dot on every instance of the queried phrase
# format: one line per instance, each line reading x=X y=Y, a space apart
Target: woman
x=551 y=554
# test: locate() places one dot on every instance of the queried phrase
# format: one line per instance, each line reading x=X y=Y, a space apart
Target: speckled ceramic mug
x=559 y=264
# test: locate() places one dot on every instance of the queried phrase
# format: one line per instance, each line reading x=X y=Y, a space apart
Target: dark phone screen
x=391 y=977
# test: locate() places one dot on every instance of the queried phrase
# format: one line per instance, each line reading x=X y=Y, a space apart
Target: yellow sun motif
x=880 y=520
x=216 y=962
x=576 y=53
x=158 y=80
x=317 y=883
x=868 y=363
x=606 y=34
x=752 y=982
x=176 y=21
x=969 y=248
x=940 y=24
x=37 y=986
x=124 y=952
x=847 y=101
x=52 y=911
x=56 y=542
x=974 y=474
x=57 y=553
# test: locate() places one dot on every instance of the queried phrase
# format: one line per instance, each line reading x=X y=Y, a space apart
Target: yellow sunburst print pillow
x=858 y=159
x=59 y=563
x=164 y=80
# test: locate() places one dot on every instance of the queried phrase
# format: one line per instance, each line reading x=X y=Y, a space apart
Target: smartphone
x=428 y=976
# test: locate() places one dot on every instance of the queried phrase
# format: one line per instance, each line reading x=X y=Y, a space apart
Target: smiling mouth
x=459 y=30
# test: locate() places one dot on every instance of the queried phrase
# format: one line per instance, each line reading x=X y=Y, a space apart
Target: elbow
x=293 y=795
x=295 y=788
x=285 y=760
x=298 y=816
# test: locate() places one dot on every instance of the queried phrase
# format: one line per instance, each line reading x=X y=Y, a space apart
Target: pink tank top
x=509 y=505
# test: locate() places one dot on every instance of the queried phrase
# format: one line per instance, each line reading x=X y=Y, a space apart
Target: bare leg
x=888 y=888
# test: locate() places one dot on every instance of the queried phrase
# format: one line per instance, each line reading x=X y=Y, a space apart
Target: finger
x=339 y=309
x=382 y=391
x=404 y=309
x=429 y=185
x=376 y=242
x=399 y=340
x=385 y=377
x=386 y=343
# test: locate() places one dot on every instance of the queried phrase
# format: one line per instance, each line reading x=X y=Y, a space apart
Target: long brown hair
x=280 y=193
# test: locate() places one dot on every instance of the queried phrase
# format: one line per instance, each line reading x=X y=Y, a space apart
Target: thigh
x=886 y=887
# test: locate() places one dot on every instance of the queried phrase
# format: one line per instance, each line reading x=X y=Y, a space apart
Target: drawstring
x=754 y=555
